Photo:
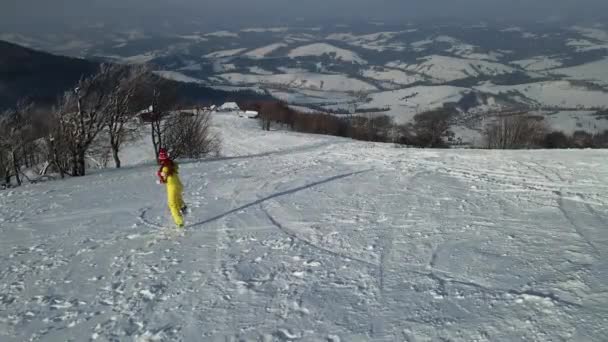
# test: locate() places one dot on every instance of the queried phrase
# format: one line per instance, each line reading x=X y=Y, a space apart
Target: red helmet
x=162 y=154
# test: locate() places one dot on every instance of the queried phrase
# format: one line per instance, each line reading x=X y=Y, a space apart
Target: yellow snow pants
x=175 y=201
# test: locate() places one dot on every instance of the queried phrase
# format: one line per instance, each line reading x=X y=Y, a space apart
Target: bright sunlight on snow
x=314 y=238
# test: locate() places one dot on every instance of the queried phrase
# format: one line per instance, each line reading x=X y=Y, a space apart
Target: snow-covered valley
x=294 y=237
x=554 y=71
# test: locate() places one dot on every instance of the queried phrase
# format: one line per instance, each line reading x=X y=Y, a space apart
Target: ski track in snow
x=303 y=237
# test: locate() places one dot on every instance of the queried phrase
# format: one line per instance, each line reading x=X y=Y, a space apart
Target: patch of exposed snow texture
x=314 y=238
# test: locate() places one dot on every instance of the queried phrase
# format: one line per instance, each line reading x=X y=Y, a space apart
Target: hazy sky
x=44 y=13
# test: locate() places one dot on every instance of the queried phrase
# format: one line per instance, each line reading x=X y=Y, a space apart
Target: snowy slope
x=456 y=47
x=552 y=93
x=225 y=53
x=264 y=50
x=379 y=41
x=446 y=69
x=320 y=49
x=595 y=71
x=403 y=104
x=392 y=75
x=539 y=63
x=177 y=76
x=313 y=238
x=570 y=122
x=265 y=29
x=223 y=34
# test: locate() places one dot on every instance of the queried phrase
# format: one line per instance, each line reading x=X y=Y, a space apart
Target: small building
x=228 y=107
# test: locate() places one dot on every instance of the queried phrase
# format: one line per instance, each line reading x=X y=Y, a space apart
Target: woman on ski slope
x=169 y=174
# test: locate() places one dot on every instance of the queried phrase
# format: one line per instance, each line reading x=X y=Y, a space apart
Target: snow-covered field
x=296 y=237
x=304 y=80
x=225 y=53
x=552 y=93
x=539 y=63
x=320 y=49
x=391 y=75
x=403 y=104
x=177 y=76
x=595 y=71
x=263 y=51
x=445 y=69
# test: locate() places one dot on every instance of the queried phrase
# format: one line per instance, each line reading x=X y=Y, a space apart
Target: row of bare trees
x=515 y=131
x=429 y=129
x=99 y=115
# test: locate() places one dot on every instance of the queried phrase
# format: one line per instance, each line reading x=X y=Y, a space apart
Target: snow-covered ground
x=570 y=122
x=225 y=53
x=552 y=93
x=403 y=104
x=295 y=237
x=446 y=69
x=320 y=49
x=539 y=63
x=306 y=80
x=177 y=76
x=391 y=75
x=264 y=50
x=595 y=71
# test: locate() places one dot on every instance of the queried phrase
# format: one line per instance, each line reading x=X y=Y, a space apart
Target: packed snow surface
x=296 y=237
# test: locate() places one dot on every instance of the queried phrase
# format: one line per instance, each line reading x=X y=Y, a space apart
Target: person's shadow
x=279 y=194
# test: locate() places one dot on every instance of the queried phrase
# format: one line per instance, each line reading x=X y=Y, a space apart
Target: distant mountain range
x=42 y=77
x=559 y=72
x=38 y=76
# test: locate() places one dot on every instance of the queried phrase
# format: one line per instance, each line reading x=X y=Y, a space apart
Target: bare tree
x=190 y=135
x=82 y=115
x=16 y=140
x=164 y=101
x=124 y=102
x=515 y=131
x=432 y=127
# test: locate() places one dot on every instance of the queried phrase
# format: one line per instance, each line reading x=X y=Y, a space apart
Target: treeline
x=94 y=120
x=525 y=131
x=430 y=129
